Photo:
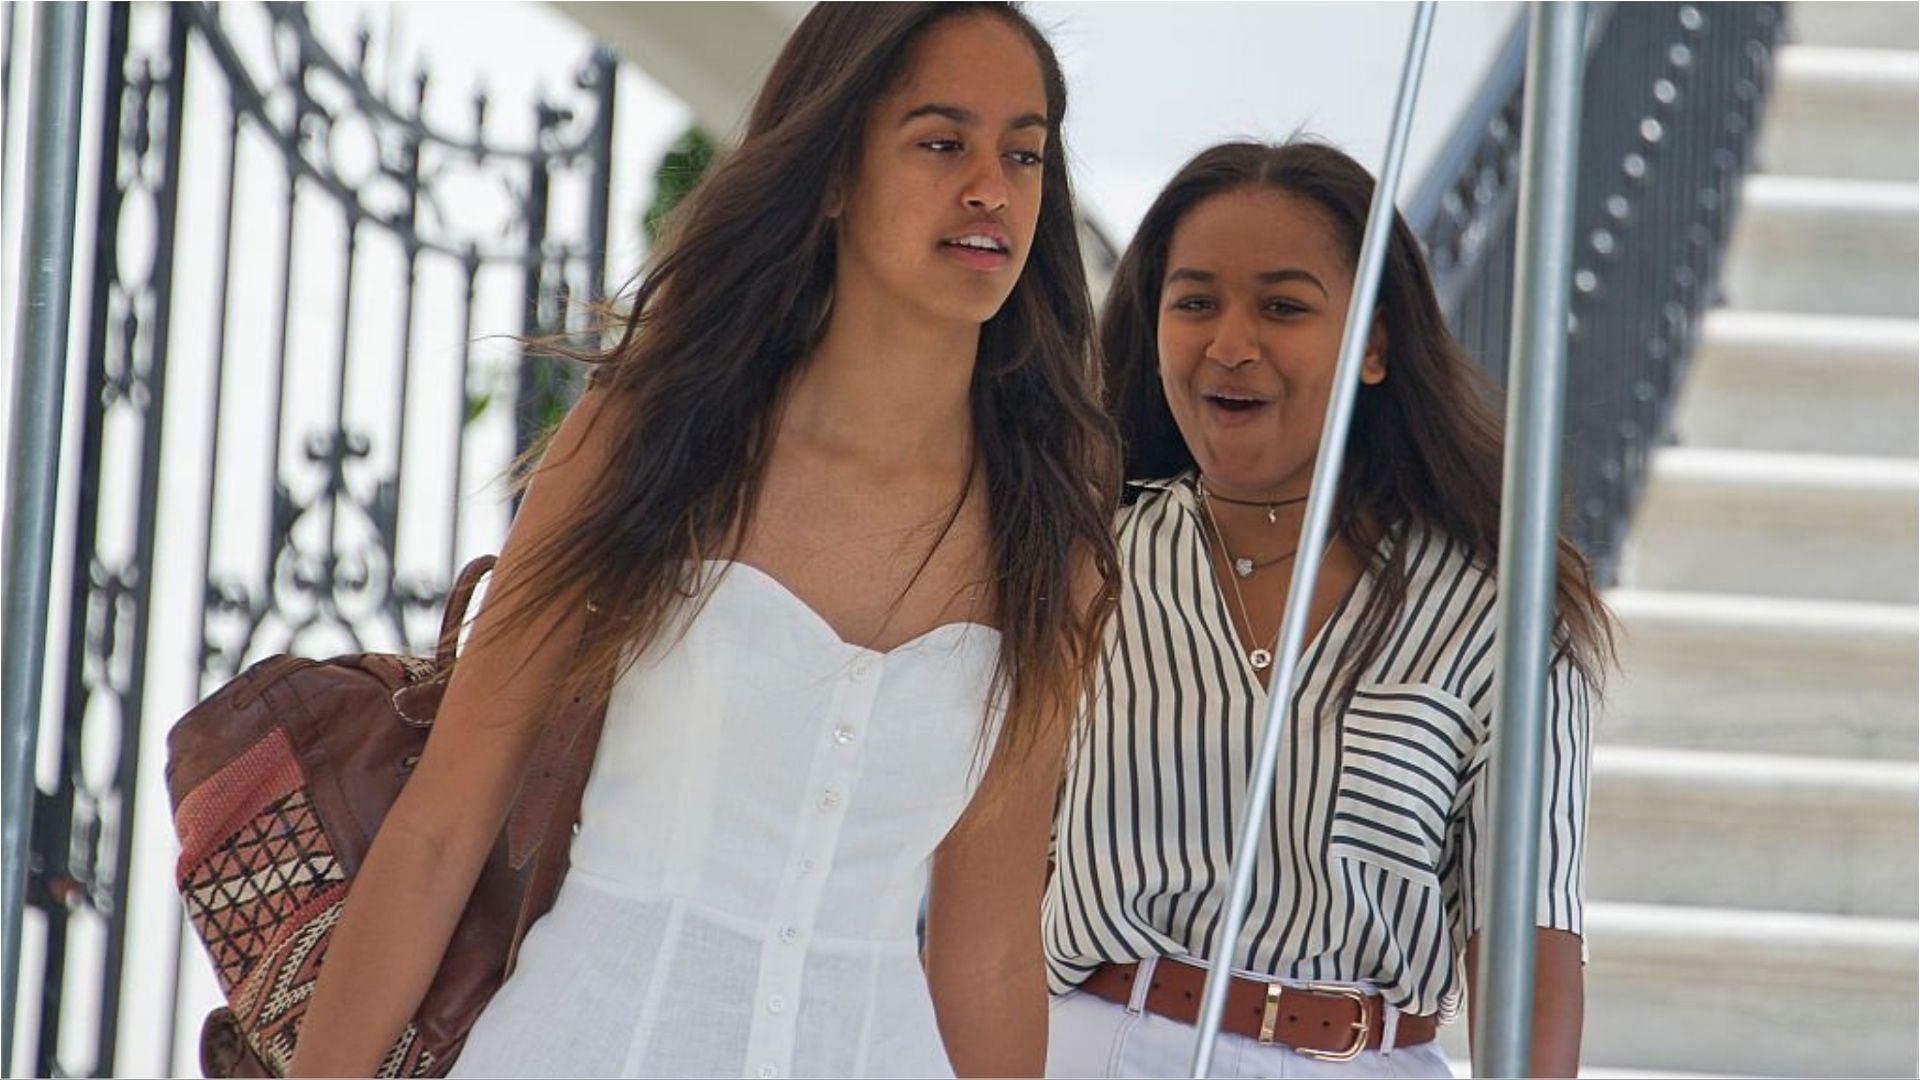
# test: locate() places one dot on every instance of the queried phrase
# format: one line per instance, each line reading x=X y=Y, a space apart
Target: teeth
x=980 y=242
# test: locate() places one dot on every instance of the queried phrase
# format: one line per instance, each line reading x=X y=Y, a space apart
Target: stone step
x=1820 y=246
x=1750 y=522
x=1823 y=384
x=1453 y=1038
x=1715 y=830
x=1756 y=675
x=1871 y=24
x=1718 y=990
x=1843 y=112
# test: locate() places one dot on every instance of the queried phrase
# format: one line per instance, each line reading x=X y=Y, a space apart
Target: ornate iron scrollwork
x=330 y=504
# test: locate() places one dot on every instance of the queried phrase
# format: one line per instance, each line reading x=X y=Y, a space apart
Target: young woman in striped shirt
x=1221 y=335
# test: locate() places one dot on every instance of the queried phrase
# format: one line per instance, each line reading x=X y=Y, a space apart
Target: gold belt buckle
x=1361 y=1027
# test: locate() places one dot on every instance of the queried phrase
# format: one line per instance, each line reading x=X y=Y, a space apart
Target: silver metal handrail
x=1313 y=540
x=33 y=464
x=1529 y=529
x=1528 y=535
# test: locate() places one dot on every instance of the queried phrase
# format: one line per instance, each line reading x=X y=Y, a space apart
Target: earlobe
x=1373 y=369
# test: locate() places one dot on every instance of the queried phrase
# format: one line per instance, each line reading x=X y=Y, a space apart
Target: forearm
x=383 y=954
x=993 y=1021
x=1559 y=1010
x=1559 y=1001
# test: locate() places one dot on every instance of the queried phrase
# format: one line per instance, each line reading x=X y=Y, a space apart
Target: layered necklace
x=1260 y=657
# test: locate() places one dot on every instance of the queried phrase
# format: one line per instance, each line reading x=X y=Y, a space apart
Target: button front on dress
x=777 y=884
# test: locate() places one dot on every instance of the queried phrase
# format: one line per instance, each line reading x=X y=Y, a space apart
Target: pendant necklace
x=1260 y=658
x=1272 y=508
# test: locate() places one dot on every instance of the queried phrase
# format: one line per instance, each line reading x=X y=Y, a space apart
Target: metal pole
x=52 y=190
x=1313 y=541
x=1529 y=528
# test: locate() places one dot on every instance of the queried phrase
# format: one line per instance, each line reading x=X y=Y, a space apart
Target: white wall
x=1151 y=84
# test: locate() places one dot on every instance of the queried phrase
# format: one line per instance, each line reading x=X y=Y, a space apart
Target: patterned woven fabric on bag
x=264 y=890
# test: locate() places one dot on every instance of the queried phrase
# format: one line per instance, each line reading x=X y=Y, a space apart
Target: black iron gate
x=282 y=406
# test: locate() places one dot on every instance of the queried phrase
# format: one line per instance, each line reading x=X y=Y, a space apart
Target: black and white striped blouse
x=1374 y=868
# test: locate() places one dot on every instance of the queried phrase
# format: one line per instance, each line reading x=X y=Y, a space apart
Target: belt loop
x=1142 y=983
x=1389 y=1027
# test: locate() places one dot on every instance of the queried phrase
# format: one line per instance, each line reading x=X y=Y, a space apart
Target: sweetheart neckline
x=827 y=629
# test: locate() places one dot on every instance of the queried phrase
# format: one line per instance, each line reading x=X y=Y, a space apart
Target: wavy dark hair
x=1425 y=445
x=692 y=383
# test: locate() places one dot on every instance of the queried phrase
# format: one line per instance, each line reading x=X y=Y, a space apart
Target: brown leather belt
x=1324 y=1021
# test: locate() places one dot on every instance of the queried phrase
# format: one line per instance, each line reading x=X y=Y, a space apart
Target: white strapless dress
x=752 y=855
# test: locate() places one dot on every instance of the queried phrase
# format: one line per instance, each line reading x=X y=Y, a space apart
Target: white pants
x=1091 y=1036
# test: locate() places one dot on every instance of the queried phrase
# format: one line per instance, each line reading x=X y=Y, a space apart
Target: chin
x=1243 y=475
x=962 y=309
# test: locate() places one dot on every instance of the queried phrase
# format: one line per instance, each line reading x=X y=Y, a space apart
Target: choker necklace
x=1272 y=508
x=1242 y=567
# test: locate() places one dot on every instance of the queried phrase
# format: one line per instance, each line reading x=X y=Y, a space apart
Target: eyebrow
x=967 y=116
x=1271 y=277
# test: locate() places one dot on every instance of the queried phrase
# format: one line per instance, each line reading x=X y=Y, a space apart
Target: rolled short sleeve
x=1566 y=765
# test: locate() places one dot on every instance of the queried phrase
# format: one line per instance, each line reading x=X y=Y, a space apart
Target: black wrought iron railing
x=1670 y=107
x=318 y=325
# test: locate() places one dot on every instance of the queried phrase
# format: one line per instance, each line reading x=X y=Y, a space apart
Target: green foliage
x=679 y=172
x=552 y=385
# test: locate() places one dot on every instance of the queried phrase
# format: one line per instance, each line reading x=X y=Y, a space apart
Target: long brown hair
x=1425 y=446
x=737 y=297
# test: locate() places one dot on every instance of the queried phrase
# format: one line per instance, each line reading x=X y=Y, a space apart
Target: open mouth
x=1235 y=403
x=976 y=242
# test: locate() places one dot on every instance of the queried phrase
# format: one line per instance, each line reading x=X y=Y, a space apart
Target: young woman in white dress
x=1221 y=336
x=841 y=497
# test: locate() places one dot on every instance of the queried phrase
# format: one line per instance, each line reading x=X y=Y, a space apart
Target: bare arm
x=985 y=966
x=1559 y=1000
x=420 y=871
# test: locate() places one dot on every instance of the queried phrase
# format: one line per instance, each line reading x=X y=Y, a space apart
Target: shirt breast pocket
x=1403 y=748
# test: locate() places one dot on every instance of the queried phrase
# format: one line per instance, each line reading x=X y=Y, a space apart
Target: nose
x=986 y=190
x=1235 y=341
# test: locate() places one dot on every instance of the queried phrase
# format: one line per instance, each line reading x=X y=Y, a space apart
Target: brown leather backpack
x=279 y=781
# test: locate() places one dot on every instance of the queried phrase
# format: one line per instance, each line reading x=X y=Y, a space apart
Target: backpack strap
x=540 y=824
x=555 y=778
x=456 y=615
x=540 y=827
x=562 y=755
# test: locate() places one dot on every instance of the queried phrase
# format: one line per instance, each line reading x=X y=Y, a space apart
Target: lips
x=1233 y=408
x=1235 y=401
x=984 y=248
x=976 y=242
x=981 y=236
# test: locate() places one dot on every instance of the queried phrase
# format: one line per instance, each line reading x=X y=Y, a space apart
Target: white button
x=843 y=734
x=806 y=866
x=789 y=934
x=769 y=1072
x=859 y=670
x=829 y=799
x=776 y=1004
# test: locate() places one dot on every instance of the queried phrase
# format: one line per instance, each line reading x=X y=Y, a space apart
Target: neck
x=886 y=384
x=1245 y=524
